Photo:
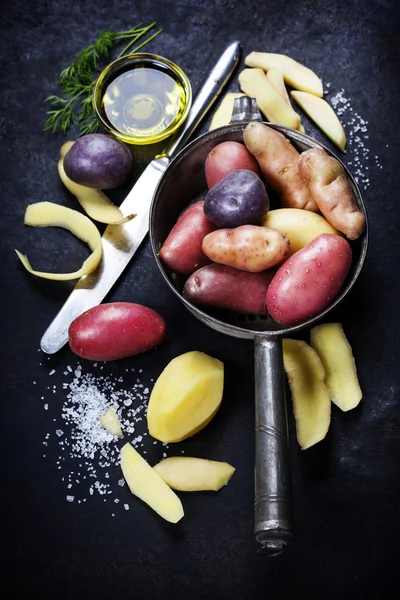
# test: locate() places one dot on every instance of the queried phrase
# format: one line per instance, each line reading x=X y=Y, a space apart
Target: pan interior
x=184 y=183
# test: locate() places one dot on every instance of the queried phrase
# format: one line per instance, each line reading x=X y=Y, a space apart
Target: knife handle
x=209 y=92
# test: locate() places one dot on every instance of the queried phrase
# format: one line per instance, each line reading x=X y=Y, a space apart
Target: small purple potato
x=98 y=161
x=309 y=280
x=248 y=247
x=220 y=286
x=239 y=198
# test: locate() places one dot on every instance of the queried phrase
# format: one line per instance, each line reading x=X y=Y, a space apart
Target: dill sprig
x=74 y=106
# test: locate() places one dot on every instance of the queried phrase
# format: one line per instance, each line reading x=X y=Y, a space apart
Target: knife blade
x=120 y=242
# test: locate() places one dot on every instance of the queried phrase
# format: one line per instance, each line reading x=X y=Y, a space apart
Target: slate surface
x=345 y=490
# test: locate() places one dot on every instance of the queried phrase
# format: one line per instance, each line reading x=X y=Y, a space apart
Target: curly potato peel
x=48 y=214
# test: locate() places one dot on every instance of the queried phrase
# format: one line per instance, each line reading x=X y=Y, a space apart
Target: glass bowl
x=142 y=98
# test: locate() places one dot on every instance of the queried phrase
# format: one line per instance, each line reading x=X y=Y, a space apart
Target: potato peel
x=94 y=202
x=48 y=214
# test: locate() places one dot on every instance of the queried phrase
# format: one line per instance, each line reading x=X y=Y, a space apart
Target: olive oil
x=143 y=101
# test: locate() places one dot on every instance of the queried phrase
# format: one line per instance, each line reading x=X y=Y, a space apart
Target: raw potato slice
x=188 y=474
x=335 y=352
x=145 y=483
x=223 y=114
x=185 y=396
x=111 y=422
x=275 y=78
x=256 y=85
x=294 y=73
x=310 y=395
x=94 y=202
x=48 y=214
x=323 y=115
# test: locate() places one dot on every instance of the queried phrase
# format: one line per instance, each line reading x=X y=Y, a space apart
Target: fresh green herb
x=74 y=106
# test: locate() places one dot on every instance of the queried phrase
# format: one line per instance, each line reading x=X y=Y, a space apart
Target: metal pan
x=182 y=183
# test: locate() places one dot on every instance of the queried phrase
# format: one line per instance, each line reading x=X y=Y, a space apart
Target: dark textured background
x=345 y=490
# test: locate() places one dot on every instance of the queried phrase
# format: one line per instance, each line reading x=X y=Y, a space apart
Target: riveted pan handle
x=273 y=513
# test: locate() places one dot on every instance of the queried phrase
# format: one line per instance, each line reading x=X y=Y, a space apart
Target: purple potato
x=98 y=161
x=238 y=199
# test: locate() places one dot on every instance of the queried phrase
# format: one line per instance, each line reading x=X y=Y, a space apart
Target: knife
x=120 y=242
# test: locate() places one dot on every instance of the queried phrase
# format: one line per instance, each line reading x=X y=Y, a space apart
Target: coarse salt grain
x=359 y=157
x=88 y=397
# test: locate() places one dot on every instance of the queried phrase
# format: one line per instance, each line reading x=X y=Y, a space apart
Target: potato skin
x=226 y=158
x=278 y=161
x=240 y=198
x=98 y=161
x=115 y=330
x=248 y=247
x=300 y=226
x=225 y=287
x=309 y=280
x=331 y=190
x=182 y=250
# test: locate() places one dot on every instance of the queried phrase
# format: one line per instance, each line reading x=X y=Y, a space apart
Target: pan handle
x=273 y=513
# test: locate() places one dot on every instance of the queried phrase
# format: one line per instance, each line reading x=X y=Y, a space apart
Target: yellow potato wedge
x=310 y=395
x=110 y=421
x=334 y=350
x=94 y=202
x=323 y=115
x=255 y=84
x=188 y=474
x=145 y=483
x=185 y=396
x=300 y=226
x=48 y=214
x=275 y=78
x=223 y=114
x=294 y=73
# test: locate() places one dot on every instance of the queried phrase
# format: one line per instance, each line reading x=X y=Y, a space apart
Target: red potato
x=226 y=158
x=248 y=247
x=310 y=280
x=278 y=161
x=331 y=189
x=115 y=330
x=220 y=286
x=182 y=250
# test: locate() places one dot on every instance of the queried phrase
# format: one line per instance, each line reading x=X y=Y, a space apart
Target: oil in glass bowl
x=143 y=100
